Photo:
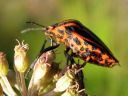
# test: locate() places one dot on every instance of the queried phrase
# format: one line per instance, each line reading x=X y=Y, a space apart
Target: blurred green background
x=107 y=18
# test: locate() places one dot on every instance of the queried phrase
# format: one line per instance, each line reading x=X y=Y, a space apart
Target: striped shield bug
x=83 y=42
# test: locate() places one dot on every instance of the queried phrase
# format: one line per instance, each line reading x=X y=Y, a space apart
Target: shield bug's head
x=49 y=31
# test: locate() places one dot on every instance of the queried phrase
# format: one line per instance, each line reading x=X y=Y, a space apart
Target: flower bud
x=20 y=57
x=43 y=65
x=4 y=68
x=43 y=73
x=70 y=92
x=64 y=82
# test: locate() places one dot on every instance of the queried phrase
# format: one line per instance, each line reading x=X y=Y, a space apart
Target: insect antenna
x=31 y=22
x=42 y=28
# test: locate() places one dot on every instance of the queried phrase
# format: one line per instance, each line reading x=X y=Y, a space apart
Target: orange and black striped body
x=85 y=44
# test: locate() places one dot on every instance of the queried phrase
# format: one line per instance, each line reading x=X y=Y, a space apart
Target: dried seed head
x=20 y=57
x=4 y=68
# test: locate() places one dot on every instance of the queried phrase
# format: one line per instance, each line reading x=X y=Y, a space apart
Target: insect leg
x=43 y=50
x=68 y=56
x=83 y=64
x=33 y=63
x=50 y=48
x=71 y=58
x=53 y=42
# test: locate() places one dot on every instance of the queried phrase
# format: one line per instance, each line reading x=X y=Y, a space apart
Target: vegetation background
x=107 y=18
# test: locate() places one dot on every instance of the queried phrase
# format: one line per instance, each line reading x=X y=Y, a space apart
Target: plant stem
x=23 y=85
x=4 y=87
x=8 y=86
